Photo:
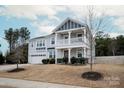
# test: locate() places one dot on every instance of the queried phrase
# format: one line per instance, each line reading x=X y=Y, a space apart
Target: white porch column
x=84 y=52
x=85 y=35
x=69 y=37
x=56 y=56
x=55 y=48
x=69 y=55
x=55 y=39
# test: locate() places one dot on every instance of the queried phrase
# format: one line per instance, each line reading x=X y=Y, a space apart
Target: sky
x=41 y=20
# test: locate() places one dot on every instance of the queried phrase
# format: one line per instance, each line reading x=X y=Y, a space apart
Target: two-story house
x=69 y=39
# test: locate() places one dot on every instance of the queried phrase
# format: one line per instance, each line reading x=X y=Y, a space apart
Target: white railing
x=78 y=40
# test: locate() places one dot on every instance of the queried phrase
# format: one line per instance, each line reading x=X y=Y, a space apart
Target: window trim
x=77 y=50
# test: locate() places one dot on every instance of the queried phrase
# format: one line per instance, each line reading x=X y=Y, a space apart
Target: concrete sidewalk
x=9 y=67
x=18 y=83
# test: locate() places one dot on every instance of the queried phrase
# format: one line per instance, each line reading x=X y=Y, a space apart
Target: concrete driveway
x=9 y=67
x=18 y=83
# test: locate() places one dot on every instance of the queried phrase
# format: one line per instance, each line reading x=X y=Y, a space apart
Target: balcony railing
x=73 y=41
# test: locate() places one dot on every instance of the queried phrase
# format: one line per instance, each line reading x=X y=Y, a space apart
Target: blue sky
x=41 y=20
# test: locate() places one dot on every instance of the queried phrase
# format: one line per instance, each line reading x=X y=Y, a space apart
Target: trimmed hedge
x=48 y=61
x=65 y=60
x=74 y=60
x=45 y=61
x=60 y=60
x=52 y=61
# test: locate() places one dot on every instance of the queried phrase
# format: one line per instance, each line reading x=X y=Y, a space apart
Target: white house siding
x=71 y=44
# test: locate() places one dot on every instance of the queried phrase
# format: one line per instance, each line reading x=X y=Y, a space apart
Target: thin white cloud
x=115 y=34
x=31 y=12
x=78 y=12
x=43 y=28
x=119 y=22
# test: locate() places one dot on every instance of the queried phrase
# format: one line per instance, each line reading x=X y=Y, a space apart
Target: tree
x=17 y=41
x=102 y=41
x=24 y=34
x=9 y=37
x=94 y=24
x=120 y=43
x=1 y=58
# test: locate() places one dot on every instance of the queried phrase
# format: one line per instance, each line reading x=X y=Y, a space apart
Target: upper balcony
x=72 y=38
x=73 y=42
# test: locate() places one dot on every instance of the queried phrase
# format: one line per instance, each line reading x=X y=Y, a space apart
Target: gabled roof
x=66 y=20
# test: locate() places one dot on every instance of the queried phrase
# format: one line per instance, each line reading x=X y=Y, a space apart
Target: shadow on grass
x=16 y=70
x=91 y=75
x=74 y=64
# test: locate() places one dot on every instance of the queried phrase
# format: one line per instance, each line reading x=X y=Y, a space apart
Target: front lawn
x=71 y=75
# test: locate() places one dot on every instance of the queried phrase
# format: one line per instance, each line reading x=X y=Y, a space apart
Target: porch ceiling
x=71 y=30
x=66 y=47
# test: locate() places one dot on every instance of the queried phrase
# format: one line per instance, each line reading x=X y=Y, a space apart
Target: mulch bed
x=92 y=75
x=16 y=70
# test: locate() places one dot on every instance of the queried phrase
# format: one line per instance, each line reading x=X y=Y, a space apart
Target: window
x=79 y=53
x=32 y=45
x=40 y=43
x=75 y=25
x=52 y=41
x=71 y=24
x=51 y=53
x=65 y=26
x=42 y=49
x=38 y=55
x=79 y=35
x=65 y=36
x=43 y=42
x=37 y=44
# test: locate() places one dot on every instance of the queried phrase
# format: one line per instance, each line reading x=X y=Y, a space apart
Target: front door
x=66 y=53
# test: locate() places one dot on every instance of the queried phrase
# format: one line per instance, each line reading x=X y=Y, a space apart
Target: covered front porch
x=77 y=52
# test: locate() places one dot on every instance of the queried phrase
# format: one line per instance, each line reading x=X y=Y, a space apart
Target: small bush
x=1 y=58
x=65 y=60
x=60 y=60
x=45 y=61
x=73 y=60
x=78 y=60
x=52 y=61
x=81 y=60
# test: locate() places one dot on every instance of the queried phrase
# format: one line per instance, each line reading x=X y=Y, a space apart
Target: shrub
x=81 y=60
x=86 y=60
x=78 y=60
x=1 y=58
x=52 y=61
x=73 y=60
x=60 y=60
x=45 y=61
x=65 y=60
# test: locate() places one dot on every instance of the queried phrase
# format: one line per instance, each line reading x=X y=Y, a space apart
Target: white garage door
x=37 y=60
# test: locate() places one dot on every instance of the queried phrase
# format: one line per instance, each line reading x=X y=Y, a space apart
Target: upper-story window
x=79 y=35
x=43 y=42
x=37 y=44
x=79 y=53
x=75 y=25
x=52 y=40
x=40 y=43
x=32 y=44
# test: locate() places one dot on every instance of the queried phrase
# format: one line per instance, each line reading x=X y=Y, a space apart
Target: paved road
x=9 y=67
x=17 y=83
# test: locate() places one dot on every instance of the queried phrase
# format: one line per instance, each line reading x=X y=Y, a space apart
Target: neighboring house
x=69 y=39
